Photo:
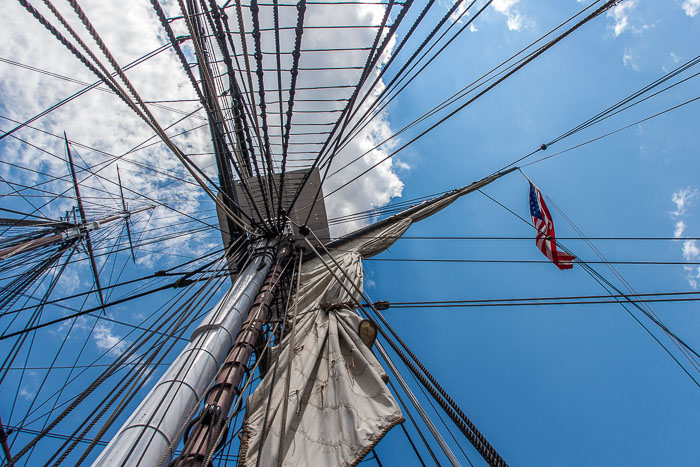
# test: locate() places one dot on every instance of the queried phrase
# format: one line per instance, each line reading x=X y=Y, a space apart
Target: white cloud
x=514 y=18
x=628 y=60
x=682 y=198
x=26 y=393
x=100 y=120
x=680 y=228
x=690 y=250
x=691 y=7
x=620 y=15
x=107 y=341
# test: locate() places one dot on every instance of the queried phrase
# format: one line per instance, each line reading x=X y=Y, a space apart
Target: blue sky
x=556 y=385
x=567 y=385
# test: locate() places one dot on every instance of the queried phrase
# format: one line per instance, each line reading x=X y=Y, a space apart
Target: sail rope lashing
x=600 y=10
x=362 y=122
x=458 y=95
x=197 y=300
x=371 y=61
x=265 y=150
x=439 y=394
x=141 y=110
x=613 y=290
x=219 y=125
x=294 y=72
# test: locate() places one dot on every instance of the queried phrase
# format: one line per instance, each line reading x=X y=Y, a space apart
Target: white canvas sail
x=338 y=403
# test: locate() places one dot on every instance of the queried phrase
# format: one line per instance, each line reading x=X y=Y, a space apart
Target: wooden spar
x=208 y=425
x=124 y=208
x=69 y=232
x=83 y=218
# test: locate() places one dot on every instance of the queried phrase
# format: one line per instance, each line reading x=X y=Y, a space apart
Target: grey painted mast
x=151 y=434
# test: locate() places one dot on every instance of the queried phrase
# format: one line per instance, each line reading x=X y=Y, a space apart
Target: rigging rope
x=439 y=394
x=600 y=10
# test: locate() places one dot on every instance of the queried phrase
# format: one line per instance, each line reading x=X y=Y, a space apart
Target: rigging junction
x=273 y=222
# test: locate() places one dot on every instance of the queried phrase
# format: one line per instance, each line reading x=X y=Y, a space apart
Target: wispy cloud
x=102 y=121
x=691 y=7
x=514 y=19
x=105 y=339
x=683 y=199
x=628 y=60
x=26 y=393
x=620 y=15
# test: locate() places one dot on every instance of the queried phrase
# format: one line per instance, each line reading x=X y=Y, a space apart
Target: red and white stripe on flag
x=545 y=238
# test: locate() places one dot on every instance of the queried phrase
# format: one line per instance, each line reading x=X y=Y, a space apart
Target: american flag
x=545 y=231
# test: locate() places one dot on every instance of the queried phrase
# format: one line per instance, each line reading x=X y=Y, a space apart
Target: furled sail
x=337 y=406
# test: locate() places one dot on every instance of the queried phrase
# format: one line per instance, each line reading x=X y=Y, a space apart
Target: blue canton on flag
x=534 y=204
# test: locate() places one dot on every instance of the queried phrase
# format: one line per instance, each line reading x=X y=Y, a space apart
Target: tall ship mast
x=321 y=233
